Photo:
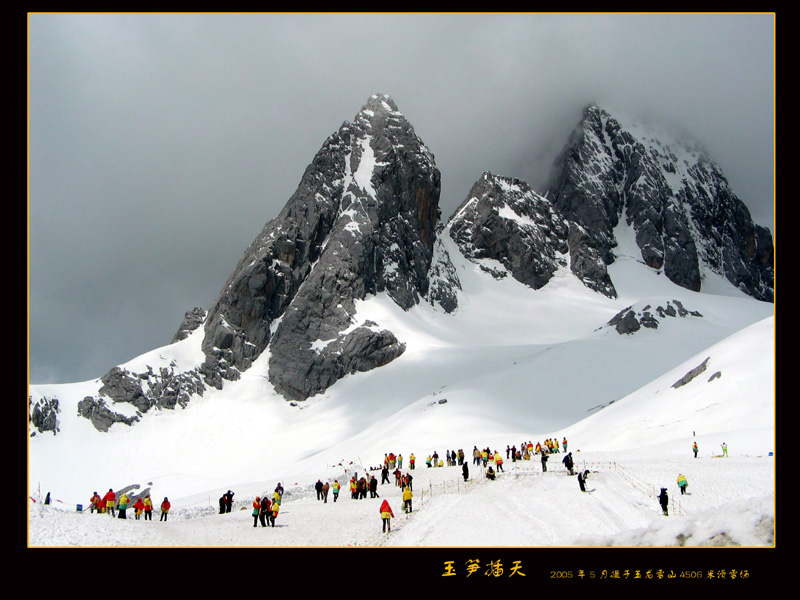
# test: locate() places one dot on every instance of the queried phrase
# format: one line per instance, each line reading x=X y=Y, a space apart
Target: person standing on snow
x=663 y=500
x=110 y=500
x=336 y=487
x=264 y=511
x=386 y=516
x=123 y=506
x=568 y=462
x=465 y=471
x=682 y=484
x=148 y=508
x=229 y=501
x=273 y=513
x=256 y=510
x=544 y=462
x=694 y=449
x=407 y=496
x=138 y=508
x=164 y=509
x=724 y=449
x=373 y=487
x=318 y=487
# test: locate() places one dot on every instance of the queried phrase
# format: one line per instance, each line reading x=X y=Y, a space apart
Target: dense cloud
x=159 y=145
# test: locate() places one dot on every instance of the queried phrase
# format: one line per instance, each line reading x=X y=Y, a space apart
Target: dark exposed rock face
x=680 y=206
x=503 y=219
x=191 y=321
x=362 y=221
x=43 y=415
x=630 y=320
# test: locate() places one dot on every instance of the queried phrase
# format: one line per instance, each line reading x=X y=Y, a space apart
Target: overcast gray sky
x=159 y=145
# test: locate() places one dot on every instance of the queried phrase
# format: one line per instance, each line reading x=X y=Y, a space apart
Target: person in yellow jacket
x=336 y=487
x=148 y=508
x=407 y=496
x=256 y=510
x=123 y=506
x=498 y=461
x=682 y=483
x=411 y=461
x=273 y=513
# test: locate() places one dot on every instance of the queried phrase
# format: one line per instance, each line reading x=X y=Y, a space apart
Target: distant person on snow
x=318 y=487
x=490 y=473
x=663 y=500
x=264 y=511
x=694 y=449
x=373 y=487
x=164 y=509
x=724 y=449
x=582 y=480
x=568 y=463
x=229 y=501
x=682 y=484
x=544 y=462
x=110 y=499
x=465 y=471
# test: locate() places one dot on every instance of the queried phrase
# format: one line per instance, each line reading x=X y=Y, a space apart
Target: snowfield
x=511 y=366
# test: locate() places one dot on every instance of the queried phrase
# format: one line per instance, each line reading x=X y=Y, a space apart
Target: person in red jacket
x=94 y=503
x=164 y=509
x=138 y=507
x=110 y=500
x=386 y=515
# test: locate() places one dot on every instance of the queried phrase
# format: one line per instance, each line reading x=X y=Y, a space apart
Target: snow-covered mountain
x=358 y=323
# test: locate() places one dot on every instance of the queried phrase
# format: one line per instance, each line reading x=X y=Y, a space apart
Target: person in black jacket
x=228 y=501
x=663 y=500
x=318 y=487
x=373 y=487
x=544 y=461
x=223 y=500
x=465 y=471
x=582 y=480
x=568 y=463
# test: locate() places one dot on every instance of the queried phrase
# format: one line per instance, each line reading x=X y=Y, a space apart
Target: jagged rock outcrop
x=43 y=415
x=630 y=320
x=362 y=221
x=685 y=217
x=504 y=220
x=192 y=320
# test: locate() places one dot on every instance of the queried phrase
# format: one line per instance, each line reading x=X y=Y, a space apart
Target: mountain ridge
x=365 y=221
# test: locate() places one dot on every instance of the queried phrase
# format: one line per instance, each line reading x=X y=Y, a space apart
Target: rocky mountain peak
x=686 y=219
x=362 y=221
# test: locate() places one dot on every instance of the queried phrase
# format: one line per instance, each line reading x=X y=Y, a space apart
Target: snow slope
x=511 y=365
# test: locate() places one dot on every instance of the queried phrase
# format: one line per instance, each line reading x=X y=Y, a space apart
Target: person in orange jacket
x=164 y=509
x=138 y=508
x=386 y=516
